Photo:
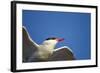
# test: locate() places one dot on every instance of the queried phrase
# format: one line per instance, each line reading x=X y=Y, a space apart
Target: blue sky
x=73 y=27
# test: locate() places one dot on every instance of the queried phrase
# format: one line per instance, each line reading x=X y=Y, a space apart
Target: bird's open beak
x=60 y=39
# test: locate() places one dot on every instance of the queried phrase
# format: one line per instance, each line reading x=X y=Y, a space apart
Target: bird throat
x=45 y=51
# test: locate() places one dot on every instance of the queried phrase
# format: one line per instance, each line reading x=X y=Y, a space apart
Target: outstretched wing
x=61 y=54
x=29 y=46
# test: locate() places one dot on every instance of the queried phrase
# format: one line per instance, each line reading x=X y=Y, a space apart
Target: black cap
x=51 y=38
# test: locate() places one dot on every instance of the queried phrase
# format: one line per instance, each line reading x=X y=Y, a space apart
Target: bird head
x=53 y=40
x=48 y=46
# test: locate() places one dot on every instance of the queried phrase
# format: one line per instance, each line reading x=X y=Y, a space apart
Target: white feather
x=62 y=48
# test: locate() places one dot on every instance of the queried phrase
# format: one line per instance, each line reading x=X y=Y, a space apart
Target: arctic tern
x=32 y=52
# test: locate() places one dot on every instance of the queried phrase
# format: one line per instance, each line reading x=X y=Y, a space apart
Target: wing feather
x=63 y=53
x=29 y=47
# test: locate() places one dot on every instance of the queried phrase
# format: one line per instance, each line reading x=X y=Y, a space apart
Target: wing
x=29 y=46
x=61 y=54
x=27 y=36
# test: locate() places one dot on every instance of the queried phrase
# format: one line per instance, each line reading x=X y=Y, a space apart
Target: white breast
x=44 y=51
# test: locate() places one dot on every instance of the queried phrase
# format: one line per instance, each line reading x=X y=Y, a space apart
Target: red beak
x=60 y=39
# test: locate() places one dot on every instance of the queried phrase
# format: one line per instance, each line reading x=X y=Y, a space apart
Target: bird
x=33 y=52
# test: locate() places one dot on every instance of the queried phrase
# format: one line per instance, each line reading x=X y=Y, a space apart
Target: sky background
x=73 y=27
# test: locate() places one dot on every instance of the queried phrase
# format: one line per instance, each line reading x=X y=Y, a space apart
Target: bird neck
x=45 y=51
x=49 y=47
